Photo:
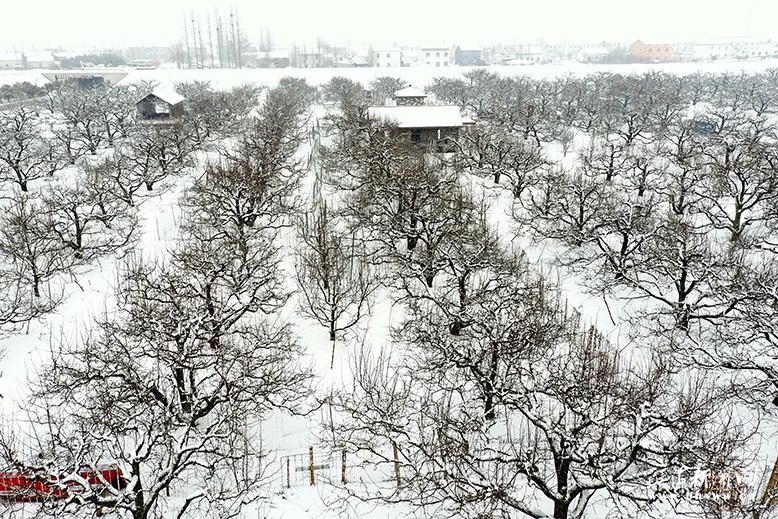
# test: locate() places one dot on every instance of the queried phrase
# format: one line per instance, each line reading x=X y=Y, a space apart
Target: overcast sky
x=42 y=23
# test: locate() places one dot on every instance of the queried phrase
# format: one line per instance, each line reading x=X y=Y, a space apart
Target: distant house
x=311 y=59
x=359 y=61
x=468 y=56
x=436 y=56
x=158 y=54
x=161 y=106
x=528 y=54
x=739 y=49
x=387 y=57
x=592 y=54
x=747 y=49
x=276 y=58
x=651 y=52
x=38 y=60
x=434 y=127
x=10 y=61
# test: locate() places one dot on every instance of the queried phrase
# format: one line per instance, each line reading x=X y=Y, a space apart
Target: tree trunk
x=140 y=511
x=561 y=509
x=429 y=277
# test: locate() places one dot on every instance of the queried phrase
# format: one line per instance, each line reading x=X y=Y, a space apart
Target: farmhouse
x=435 y=127
x=161 y=105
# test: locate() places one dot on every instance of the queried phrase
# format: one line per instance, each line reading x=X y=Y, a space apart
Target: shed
x=161 y=105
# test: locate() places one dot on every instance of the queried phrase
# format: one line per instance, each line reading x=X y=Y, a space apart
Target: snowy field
x=284 y=435
x=226 y=78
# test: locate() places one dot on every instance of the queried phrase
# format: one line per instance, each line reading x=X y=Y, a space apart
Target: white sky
x=40 y=23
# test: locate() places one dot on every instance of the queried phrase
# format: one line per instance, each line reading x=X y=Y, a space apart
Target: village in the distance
x=240 y=53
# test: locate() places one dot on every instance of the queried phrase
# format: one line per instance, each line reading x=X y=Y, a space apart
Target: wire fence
x=312 y=467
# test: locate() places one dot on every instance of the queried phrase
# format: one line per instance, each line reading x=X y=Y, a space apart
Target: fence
x=313 y=467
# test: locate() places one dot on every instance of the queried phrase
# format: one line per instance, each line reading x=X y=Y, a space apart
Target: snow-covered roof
x=418 y=116
x=112 y=77
x=410 y=91
x=169 y=96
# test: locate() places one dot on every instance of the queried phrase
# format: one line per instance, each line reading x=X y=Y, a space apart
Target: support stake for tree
x=313 y=476
x=396 y=453
x=343 y=467
x=288 y=473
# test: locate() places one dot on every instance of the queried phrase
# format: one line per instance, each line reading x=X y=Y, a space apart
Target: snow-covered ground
x=285 y=435
x=422 y=75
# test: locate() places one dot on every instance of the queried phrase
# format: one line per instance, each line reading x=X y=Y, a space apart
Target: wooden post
x=288 y=473
x=770 y=496
x=343 y=468
x=396 y=453
x=310 y=455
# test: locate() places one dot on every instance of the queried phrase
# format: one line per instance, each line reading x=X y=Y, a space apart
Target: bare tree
x=579 y=422
x=37 y=256
x=333 y=276
x=566 y=206
x=156 y=153
x=25 y=154
x=171 y=386
x=495 y=152
x=741 y=185
x=114 y=176
x=383 y=87
x=80 y=111
x=343 y=93
x=90 y=222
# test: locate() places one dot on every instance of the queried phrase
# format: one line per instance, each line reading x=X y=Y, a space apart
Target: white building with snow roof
x=386 y=57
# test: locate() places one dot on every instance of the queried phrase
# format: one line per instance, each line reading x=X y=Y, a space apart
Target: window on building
x=388 y=55
x=437 y=54
x=162 y=109
x=426 y=54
